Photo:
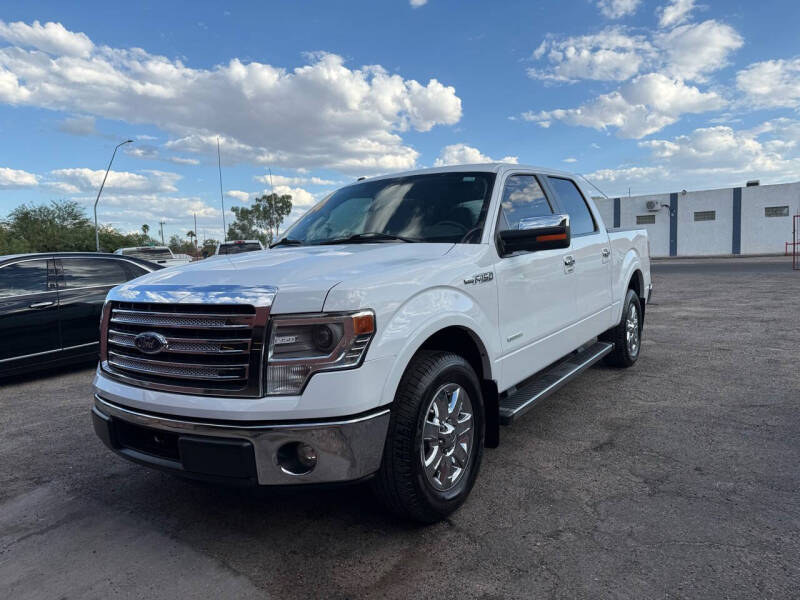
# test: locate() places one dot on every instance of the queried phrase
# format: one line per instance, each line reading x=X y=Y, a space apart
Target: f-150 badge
x=480 y=278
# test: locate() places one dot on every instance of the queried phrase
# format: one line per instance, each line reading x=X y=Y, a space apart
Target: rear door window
x=25 y=277
x=523 y=199
x=92 y=272
x=572 y=202
x=133 y=271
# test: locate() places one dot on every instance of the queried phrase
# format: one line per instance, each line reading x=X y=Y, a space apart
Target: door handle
x=41 y=304
x=569 y=261
x=606 y=252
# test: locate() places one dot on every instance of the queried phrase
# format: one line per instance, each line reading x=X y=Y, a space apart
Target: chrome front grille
x=210 y=349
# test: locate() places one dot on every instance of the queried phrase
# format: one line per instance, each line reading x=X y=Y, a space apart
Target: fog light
x=296 y=458
x=307 y=456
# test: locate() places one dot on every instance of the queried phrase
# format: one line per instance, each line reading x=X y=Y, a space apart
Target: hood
x=303 y=275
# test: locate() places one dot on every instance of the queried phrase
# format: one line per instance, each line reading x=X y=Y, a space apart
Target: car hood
x=302 y=276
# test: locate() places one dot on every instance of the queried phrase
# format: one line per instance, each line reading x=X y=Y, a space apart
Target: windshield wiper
x=369 y=236
x=286 y=242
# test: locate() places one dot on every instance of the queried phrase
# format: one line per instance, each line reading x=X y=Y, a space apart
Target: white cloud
x=418 y=3
x=711 y=157
x=570 y=159
x=675 y=13
x=693 y=51
x=148 y=152
x=688 y=52
x=614 y=9
x=656 y=66
x=610 y=55
x=82 y=180
x=321 y=114
x=284 y=180
x=457 y=154
x=238 y=195
x=640 y=107
x=130 y=211
x=52 y=38
x=180 y=160
x=15 y=178
x=78 y=126
x=301 y=198
x=771 y=83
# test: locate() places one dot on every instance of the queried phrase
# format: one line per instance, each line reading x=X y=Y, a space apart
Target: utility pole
x=272 y=204
x=100 y=191
x=161 y=223
x=221 y=198
x=195 y=234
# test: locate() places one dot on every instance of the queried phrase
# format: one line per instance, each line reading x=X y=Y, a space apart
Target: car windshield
x=437 y=207
x=149 y=253
x=236 y=248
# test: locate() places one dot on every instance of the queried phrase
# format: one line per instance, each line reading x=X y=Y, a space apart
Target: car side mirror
x=534 y=234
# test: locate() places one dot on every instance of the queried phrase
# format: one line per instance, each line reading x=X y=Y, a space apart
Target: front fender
x=423 y=315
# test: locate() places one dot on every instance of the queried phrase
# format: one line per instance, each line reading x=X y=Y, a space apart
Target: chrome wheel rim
x=447 y=437
x=632 y=330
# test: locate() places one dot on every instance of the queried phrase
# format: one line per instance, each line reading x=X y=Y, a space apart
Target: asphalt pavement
x=677 y=478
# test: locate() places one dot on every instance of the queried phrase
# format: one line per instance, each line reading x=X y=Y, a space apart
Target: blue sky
x=648 y=95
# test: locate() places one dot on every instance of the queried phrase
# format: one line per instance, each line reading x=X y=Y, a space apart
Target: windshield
x=237 y=248
x=440 y=207
x=149 y=253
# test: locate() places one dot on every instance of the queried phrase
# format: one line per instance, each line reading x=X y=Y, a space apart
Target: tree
x=209 y=247
x=179 y=245
x=60 y=226
x=145 y=229
x=262 y=220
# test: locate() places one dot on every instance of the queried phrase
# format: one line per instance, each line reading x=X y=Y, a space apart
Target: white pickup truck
x=161 y=255
x=386 y=336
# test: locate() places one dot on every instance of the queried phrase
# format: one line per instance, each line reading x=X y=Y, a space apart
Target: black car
x=50 y=305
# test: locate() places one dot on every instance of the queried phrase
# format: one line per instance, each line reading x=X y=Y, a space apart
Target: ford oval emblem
x=150 y=342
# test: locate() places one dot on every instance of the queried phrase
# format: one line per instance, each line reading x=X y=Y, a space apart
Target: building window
x=776 y=211
x=645 y=219
x=705 y=215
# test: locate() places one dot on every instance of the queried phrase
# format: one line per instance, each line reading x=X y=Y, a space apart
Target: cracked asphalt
x=675 y=479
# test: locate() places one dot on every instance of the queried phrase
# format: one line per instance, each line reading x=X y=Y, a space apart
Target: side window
x=89 y=272
x=132 y=271
x=26 y=277
x=523 y=198
x=572 y=202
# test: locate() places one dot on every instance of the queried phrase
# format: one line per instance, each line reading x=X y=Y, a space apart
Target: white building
x=755 y=219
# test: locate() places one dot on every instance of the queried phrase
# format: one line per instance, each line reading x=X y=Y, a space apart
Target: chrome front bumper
x=347 y=449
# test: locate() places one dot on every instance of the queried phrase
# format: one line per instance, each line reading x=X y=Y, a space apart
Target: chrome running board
x=540 y=386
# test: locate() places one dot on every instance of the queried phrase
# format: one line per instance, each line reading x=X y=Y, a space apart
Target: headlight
x=299 y=346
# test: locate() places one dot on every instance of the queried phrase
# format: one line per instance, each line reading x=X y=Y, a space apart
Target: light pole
x=100 y=191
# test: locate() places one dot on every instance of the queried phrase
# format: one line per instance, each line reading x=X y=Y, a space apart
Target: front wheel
x=627 y=335
x=435 y=440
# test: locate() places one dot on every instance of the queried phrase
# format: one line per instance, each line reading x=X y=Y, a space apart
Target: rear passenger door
x=28 y=309
x=535 y=298
x=83 y=284
x=590 y=250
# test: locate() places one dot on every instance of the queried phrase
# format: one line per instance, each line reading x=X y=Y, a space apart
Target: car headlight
x=300 y=346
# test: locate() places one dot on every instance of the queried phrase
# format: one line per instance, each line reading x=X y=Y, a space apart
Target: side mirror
x=535 y=233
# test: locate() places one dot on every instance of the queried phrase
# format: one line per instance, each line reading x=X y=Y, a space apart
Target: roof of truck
x=493 y=167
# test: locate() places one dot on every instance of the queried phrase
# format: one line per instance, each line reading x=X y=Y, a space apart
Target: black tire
x=623 y=355
x=401 y=483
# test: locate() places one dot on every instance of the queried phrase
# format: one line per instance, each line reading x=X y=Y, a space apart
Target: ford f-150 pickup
x=386 y=336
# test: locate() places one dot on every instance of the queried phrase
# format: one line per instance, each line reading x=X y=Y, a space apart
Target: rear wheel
x=627 y=335
x=435 y=440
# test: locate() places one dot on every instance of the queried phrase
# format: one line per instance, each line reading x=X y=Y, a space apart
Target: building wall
x=762 y=234
x=739 y=225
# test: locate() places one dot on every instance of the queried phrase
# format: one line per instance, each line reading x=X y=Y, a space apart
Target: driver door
x=535 y=298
